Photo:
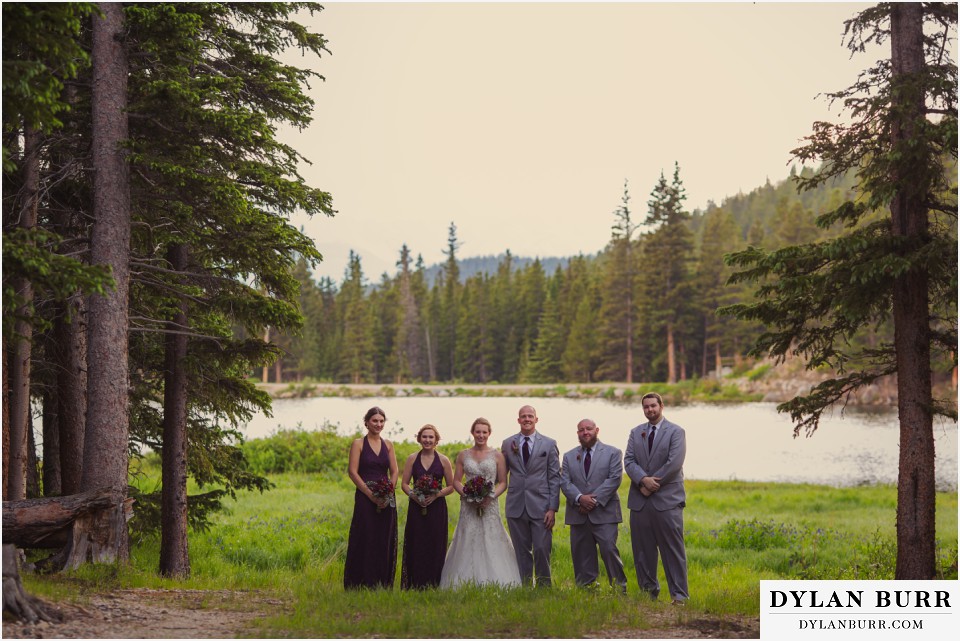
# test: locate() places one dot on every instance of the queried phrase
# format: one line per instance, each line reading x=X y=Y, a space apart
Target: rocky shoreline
x=767 y=388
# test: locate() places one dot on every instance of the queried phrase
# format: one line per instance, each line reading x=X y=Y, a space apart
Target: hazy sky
x=520 y=122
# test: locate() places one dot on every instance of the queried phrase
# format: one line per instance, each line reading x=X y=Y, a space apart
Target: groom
x=533 y=496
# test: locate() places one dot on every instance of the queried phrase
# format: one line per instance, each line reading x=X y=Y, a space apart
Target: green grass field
x=290 y=542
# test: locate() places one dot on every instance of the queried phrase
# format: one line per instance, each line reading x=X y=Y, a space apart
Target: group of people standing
x=527 y=466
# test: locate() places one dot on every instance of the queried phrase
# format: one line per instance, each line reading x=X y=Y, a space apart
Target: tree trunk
x=52 y=481
x=671 y=356
x=431 y=365
x=916 y=485
x=703 y=359
x=629 y=331
x=16 y=600
x=107 y=425
x=71 y=339
x=23 y=330
x=33 y=472
x=718 y=360
x=266 y=368
x=174 y=550
x=6 y=421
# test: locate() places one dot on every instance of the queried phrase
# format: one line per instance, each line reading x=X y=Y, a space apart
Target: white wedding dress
x=481 y=551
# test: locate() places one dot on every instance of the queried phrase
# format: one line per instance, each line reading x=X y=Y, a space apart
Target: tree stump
x=16 y=600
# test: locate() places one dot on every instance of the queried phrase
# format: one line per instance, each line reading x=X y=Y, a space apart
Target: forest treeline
x=642 y=309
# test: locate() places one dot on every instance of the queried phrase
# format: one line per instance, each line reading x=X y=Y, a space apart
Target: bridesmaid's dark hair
x=373 y=411
x=428 y=427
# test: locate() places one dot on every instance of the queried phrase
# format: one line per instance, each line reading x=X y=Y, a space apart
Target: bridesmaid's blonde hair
x=428 y=427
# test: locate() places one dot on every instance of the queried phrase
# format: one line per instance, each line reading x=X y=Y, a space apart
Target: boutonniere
x=578 y=457
x=514 y=446
x=643 y=434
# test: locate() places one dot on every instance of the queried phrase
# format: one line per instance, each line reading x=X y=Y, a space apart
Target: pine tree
x=720 y=333
x=357 y=347
x=618 y=310
x=450 y=309
x=814 y=299
x=581 y=355
x=410 y=338
x=546 y=361
x=668 y=251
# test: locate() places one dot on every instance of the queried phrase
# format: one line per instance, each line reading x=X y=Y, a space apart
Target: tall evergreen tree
x=720 y=333
x=902 y=145
x=108 y=418
x=505 y=361
x=546 y=361
x=581 y=355
x=357 y=346
x=668 y=251
x=207 y=91
x=450 y=310
x=42 y=52
x=618 y=310
x=410 y=339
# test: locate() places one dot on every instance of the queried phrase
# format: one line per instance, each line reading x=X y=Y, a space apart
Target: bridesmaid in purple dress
x=425 y=535
x=372 y=544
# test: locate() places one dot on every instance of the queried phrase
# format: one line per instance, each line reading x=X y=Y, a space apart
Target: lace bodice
x=487 y=468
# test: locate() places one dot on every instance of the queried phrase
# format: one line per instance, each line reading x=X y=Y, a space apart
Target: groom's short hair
x=652 y=395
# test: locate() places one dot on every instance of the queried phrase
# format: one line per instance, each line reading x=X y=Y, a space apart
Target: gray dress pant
x=654 y=533
x=532 y=543
x=584 y=540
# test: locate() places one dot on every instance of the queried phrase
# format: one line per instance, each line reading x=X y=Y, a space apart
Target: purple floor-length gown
x=372 y=544
x=425 y=535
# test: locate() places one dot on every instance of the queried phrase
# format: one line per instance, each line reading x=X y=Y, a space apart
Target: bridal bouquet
x=383 y=489
x=426 y=485
x=477 y=489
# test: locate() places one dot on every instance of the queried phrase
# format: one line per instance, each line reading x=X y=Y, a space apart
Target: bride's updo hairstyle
x=373 y=411
x=428 y=427
x=481 y=421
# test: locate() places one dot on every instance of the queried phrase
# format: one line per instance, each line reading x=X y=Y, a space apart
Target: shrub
x=317 y=452
x=755 y=535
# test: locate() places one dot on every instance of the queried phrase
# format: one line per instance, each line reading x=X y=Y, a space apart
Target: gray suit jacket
x=536 y=485
x=665 y=461
x=606 y=472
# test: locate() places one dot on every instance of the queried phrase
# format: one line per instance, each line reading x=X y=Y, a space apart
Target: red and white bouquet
x=383 y=490
x=426 y=485
x=476 y=490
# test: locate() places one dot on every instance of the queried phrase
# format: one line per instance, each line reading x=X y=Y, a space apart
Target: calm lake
x=748 y=441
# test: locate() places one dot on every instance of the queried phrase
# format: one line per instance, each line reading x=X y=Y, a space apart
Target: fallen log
x=87 y=526
x=46 y=522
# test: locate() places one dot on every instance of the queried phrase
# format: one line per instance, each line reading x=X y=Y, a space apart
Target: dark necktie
x=653 y=429
x=526 y=449
x=586 y=463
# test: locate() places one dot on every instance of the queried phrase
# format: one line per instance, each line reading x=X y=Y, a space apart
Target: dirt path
x=153 y=614
x=223 y=614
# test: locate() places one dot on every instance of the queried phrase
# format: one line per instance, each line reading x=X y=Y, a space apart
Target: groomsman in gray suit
x=590 y=479
x=654 y=463
x=533 y=496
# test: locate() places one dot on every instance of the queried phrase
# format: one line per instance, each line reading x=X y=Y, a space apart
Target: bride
x=481 y=551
